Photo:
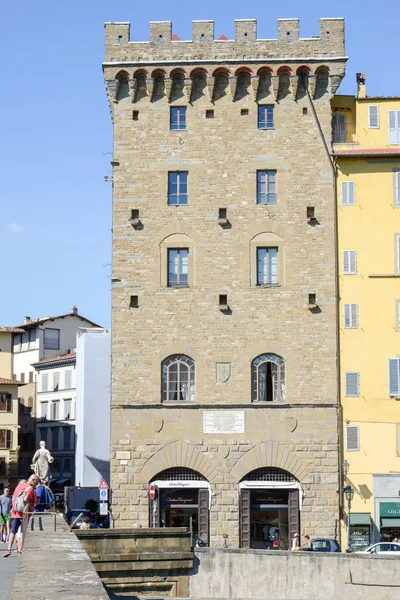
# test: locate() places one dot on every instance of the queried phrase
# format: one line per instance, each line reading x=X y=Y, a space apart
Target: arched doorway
x=270 y=504
x=183 y=500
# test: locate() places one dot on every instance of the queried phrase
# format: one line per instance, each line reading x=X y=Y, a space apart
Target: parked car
x=73 y=514
x=325 y=545
x=382 y=548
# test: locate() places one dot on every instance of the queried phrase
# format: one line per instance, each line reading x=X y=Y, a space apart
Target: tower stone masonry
x=224 y=339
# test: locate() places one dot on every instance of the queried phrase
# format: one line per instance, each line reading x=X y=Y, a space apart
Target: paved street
x=8 y=569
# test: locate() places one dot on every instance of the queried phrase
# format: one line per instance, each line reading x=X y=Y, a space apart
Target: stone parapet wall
x=329 y=42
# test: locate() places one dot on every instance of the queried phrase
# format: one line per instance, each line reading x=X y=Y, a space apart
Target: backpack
x=48 y=501
x=20 y=505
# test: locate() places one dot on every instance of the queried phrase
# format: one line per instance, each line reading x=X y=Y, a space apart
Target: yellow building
x=366 y=146
x=8 y=412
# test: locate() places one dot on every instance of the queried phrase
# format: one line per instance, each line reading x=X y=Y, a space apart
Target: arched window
x=268 y=378
x=178 y=378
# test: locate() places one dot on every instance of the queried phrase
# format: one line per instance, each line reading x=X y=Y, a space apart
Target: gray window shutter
x=351 y=316
x=345 y=193
x=347 y=315
x=354 y=315
x=352 y=438
x=353 y=261
x=346 y=262
x=398 y=253
x=394 y=376
x=394 y=126
x=397 y=188
x=373 y=117
x=352 y=385
x=349 y=262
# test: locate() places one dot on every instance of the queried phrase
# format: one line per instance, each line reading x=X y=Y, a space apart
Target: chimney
x=361 y=89
x=74 y=310
x=27 y=319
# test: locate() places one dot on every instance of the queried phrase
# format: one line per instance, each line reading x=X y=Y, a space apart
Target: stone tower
x=224 y=281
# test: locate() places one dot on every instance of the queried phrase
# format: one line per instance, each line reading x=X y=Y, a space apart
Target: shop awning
x=360 y=518
x=390 y=522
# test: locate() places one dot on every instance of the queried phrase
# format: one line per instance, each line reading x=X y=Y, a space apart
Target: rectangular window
x=339 y=129
x=266 y=187
x=349 y=262
x=178 y=117
x=397 y=316
x=67 y=409
x=52 y=339
x=266 y=117
x=22 y=378
x=55 y=410
x=178 y=266
x=5 y=402
x=352 y=438
x=3 y=466
x=398 y=253
x=5 y=439
x=396 y=175
x=352 y=385
x=68 y=464
x=177 y=188
x=54 y=437
x=56 y=381
x=67 y=438
x=30 y=377
x=398 y=439
x=68 y=379
x=43 y=410
x=267 y=265
x=351 y=316
x=17 y=342
x=394 y=377
x=373 y=116
x=394 y=126
x=348 y=193
x=45 y=382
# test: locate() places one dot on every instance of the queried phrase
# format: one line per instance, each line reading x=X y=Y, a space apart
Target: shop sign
x=179 y=497
x=389 y=509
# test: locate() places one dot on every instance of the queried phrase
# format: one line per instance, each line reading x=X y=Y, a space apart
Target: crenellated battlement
x=203 y=45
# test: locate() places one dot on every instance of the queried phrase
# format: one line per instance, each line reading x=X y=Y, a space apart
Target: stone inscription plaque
x=223 y=421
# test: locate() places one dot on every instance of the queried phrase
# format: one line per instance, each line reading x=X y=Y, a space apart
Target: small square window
x=223 y=302
x=244 y=112
x=135 y=115
x=134 y=302
x=266 y=117
x=305 y=110
x=177 y=117
x=210 y=114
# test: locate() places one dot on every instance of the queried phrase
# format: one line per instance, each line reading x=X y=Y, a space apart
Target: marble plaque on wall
x=223 y=371
x=223 y=421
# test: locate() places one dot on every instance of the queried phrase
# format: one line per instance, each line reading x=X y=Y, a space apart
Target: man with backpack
x=44 y=501
x=24 y=500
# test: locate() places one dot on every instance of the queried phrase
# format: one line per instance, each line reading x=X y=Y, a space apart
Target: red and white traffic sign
x=153 y=491
x=104 y=485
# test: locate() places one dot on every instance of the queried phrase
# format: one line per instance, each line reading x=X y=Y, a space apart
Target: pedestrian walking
x=5 y=515
x=23 y=502
x=44 y=501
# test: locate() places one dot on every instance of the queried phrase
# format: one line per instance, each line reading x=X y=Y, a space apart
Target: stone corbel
x=210 y=87
x=233 y=85
x=334 y=82
x=294 y=84
x=188 y=88
x=168 y=85
x=255 y=82
x=312 y=85
x=132 y=88
x=150 y=87
x=275 y=86
x=112 y=89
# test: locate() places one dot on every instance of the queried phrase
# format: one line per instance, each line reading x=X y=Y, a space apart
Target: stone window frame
x=181 y=123
x=267 y=240
x=279 y=362
x=182 y=360
x=177 y=272
x=177 y=241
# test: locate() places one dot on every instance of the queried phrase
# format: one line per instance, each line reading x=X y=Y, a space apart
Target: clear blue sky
x=56 y=135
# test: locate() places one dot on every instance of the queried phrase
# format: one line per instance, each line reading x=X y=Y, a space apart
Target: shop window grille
x=269 y=474
x=179 y=474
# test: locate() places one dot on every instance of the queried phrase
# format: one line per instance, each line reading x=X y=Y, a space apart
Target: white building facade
x=93 y=397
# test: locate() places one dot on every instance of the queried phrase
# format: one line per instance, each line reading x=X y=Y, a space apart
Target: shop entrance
x=183 y=501
x=269 y=509
x=389 y=521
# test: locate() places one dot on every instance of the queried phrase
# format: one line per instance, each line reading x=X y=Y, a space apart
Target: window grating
x=269 y=474
x=180 y=474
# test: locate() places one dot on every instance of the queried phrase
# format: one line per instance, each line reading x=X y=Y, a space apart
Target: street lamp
x=349 y=493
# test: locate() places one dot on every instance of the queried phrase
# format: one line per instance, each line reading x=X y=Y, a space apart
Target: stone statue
x=41 y=461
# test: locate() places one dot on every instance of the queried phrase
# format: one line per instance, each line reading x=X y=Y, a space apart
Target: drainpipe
x=336 y=243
